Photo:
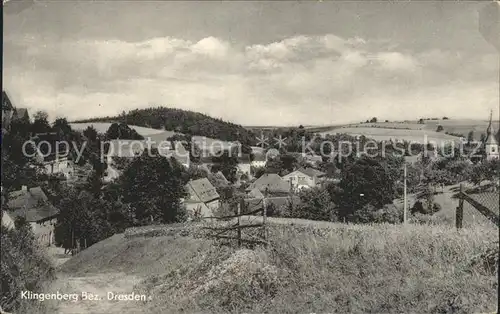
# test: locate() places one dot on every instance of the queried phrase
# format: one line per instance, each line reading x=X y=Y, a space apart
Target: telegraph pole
x=405 y=201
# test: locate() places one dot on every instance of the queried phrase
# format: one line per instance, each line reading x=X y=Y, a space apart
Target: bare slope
x=340 y=268
x=102 y=127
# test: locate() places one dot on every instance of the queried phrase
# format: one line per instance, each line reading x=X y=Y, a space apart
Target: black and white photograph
x=307 y=157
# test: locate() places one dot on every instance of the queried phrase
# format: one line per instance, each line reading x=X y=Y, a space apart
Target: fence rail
x=225 y=232
x=484 y=210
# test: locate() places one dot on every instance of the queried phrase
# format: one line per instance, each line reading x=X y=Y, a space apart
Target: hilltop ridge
x=180 y=121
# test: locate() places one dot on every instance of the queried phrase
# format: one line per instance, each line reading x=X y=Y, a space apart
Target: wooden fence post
x=460 y=209
x=264 y=216
x=239 y=224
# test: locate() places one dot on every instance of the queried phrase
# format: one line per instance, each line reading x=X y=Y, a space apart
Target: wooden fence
x=487 y=212
x=233 y=231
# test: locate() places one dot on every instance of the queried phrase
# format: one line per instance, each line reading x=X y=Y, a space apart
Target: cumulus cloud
x=301 y=79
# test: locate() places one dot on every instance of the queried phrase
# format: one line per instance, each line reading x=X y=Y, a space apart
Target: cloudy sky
x=254 y=63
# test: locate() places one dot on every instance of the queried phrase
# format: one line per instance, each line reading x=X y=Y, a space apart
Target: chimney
x=24 y=188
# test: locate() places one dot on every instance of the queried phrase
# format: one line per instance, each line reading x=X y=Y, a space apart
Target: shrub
x=24 y=265
x=425 y=209
x=369 y=214
x=418 y=207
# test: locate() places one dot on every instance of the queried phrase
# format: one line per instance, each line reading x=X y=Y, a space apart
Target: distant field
x=373 y=130
x=383 y=134
x=455 y=126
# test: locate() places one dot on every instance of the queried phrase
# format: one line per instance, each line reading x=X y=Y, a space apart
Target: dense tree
x=486 y=170
x=366 y=181
x=470 y=137
x=195 y=172
x=19 y=167
x=83 y=218
x=315 y=204
x=329 y=168
x=439 y=128
x=483 y=137
x=389 y=213
x=41 y=123
x=62 y=126
x=154 y=186
x=24 y=266
x=227 y=164
x=90 y=133
x=122 y=131
x=374 y=120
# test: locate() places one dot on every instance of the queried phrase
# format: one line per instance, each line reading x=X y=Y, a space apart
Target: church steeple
x=490 y=129
x=490 y=143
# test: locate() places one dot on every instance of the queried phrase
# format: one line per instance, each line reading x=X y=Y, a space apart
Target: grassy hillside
x=342 y=268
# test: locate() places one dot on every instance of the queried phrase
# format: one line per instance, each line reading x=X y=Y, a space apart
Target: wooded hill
x=183 y=121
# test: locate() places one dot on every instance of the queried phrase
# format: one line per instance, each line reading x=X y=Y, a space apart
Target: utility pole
x=405 y=201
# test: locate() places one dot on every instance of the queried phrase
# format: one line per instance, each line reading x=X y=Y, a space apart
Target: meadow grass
x=307 y=269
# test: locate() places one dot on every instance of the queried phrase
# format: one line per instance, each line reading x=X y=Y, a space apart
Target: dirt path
x=96 y=287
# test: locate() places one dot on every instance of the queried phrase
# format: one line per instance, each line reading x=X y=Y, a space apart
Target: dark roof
x=21 y=113
x=222 y=177
x=203 y=191
x=31 y=204
x=255 y=193
x=311 y=172
x=6 y=103
x=270 y=181
x=491 y=140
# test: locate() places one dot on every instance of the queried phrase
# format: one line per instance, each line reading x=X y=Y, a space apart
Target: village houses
x=202 y=198
x=52 y=154
x=11 y=113
x=33 y=205
x=304 y=178
x=270 y=183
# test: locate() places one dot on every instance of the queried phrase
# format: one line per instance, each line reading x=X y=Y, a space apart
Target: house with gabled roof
x=33 y=205
x=304 y=178
x=270 y=183
x=202 y=198
x=11 y=113
x=7 y=220
x=255 y=193
x=7 y=111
